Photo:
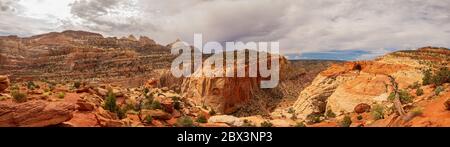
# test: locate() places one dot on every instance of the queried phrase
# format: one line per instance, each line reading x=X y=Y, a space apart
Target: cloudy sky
x=329 y=29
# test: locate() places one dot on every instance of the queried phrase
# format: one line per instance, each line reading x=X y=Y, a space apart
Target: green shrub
x=313 y=118
x=405 y=97
x=110 y=102
x=438 y=90
x=346 y=122
x=77 y=84
x=146 y=90
x=417 y=111
x=441 y=77
x=14 y=87
x=18 y=96
x=266 y=124
x=202 y=119
x=391 y=96
x=31 y=85
x=185 y=121
x=300 y=125
x=61 y=95
x=291 y=110
x=378 y=112
x=427 y=76
x=247 y=123
x=330 y=114
x=148 y=119
x=121 y=113
x=359 y=117
x=419 y=92
x=156 y=105
x=415 y=85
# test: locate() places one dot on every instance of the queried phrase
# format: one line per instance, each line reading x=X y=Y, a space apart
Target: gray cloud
x=299 y=25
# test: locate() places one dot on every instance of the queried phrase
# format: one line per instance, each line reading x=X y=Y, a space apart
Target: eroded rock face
x=79 y=55
x=35 y=113
x=224 y=94
x=4 y=83
x=343 y=86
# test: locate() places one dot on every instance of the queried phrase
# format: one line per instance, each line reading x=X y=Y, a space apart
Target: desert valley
x=83 y=79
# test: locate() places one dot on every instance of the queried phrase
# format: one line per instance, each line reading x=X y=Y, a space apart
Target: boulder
x=157 y=114
x=36 y=113
x=362 y=108
x=83 y=119
x=85 y=106
x=230 y=120
x=4 y=83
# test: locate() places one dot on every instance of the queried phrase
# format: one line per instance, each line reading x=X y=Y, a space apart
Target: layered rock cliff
x=79 y=55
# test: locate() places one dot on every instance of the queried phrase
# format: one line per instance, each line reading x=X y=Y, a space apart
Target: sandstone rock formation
x=35 y=113
x=225 y=94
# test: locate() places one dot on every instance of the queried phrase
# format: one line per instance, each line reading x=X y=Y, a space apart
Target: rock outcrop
x=4 y=83
x=225 y=94
x=35 y=113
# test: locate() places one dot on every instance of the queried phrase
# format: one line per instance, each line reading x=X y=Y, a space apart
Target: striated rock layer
x=79 y=55
x=35 y=113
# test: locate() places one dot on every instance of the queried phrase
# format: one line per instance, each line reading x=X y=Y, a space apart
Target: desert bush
x=377 y=112
x=415 y=85
x=266 y=124
x=419 y=92
x=31 y=85
x=313 y=118
x=291 y=110
x=417 y=111
x=148 y=119
x=405 y=97
x=438 y=90
x=121 y=113
x=18 y=96
x=346 y=121
x=77 y=84
x=247 y=123
x=330 y=114
x=391 y=96
x=202 y=119
x=300 y=125
x=185 y=121
x=110 y=102
x=359 y=117
x=155 y=105
x=14 y=87
x=61 y=95
x=441 y=77
x=427 y=75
